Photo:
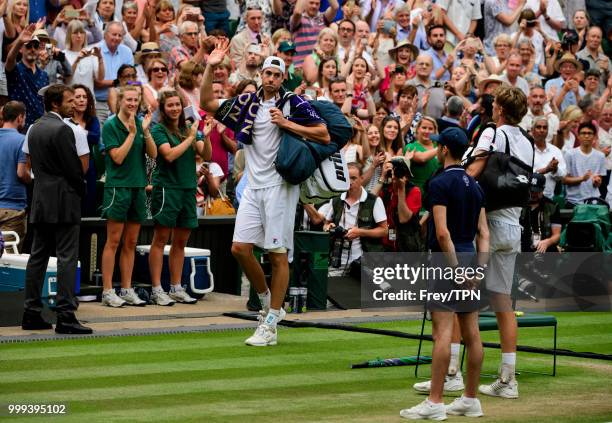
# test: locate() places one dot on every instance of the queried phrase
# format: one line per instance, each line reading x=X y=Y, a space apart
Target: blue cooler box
x=196 y=275
x=12 y=276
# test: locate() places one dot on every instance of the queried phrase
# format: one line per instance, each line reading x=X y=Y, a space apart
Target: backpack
x=505 y=179
x=298 y=158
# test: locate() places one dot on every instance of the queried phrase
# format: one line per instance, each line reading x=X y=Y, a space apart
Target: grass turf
x=213 y=377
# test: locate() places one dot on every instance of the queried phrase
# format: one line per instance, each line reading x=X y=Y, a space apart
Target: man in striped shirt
x=306 y=23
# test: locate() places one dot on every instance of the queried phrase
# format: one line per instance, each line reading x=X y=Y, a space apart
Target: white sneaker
x=426 y=410
x=451 y=384
x=459 y=408
x=111 y=299
x=501 y=389
x=181 y=296
x=263 y=313
x=161 y=298
x=264 y=335
x=131 y=298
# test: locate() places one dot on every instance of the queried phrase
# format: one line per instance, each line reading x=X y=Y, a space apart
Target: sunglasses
x=33 y=44
x=159 y=69
x=149 y=51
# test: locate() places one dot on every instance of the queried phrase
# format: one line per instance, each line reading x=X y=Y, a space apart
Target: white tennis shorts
x=504 y=245
x=266 y=217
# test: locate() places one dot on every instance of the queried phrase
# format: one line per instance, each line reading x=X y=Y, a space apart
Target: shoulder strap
x=529 y=138
x=532 y=142
x=470 y=158
x=337 y=206
x=507 y=149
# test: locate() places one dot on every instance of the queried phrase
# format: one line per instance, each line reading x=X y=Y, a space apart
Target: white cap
x=274 y=62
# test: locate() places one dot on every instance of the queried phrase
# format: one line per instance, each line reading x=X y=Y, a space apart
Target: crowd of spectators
x=401 y=71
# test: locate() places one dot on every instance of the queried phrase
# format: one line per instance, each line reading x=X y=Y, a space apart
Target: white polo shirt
x=541 y=160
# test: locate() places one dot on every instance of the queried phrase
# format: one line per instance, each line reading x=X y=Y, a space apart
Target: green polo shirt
x=132 y=172
x=181 y=173
x=292 y=82
x=421 y=171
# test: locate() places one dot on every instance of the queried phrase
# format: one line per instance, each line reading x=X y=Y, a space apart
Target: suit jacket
x=58 y=175
x=239 y=44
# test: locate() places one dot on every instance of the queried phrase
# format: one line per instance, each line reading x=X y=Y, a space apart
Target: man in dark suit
x=55 y=213
x=452 y=114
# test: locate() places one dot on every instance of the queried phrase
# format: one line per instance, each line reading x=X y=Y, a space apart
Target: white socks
x=509 y=358
x=507 y=367
x=176 y=287
x=453 y=365
x=264 y=299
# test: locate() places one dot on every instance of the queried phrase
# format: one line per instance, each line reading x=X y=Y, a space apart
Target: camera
x=72 y=14
x=569 y=38
x=388 y=25
x=338 y=244
x=400 y=168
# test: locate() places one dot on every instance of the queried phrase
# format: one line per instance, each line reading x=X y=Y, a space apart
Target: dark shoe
x=34 y=321
x=70 y=325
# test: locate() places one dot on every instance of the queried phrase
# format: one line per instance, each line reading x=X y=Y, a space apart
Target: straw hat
x=491 y=78
x=413 y=49
x=568 y=58
x=147 y=49
x=43 y=36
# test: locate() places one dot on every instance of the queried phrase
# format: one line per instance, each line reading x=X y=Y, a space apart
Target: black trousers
x=61 y=240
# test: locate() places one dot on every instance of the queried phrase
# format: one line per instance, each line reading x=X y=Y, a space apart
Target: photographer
x=402 y=216
x=53 y=61
x=358 y=221
x=87 y=63
x=540 y=220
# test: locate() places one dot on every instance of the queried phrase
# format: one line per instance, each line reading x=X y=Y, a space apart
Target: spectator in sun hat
x=490 y=84
x=52 y=59
x=566 y=88
x=147 y=52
